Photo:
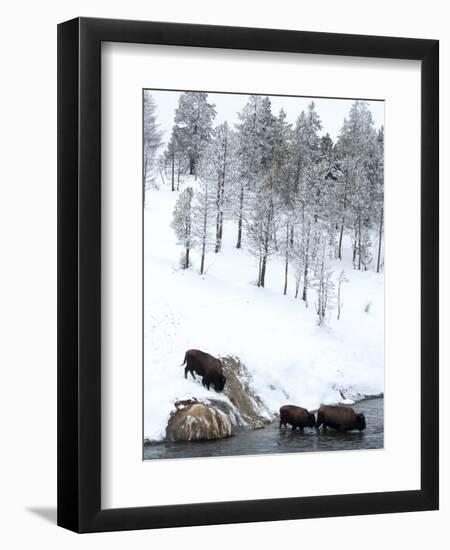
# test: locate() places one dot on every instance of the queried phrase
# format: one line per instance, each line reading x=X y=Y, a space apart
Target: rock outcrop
x=215 y=417
x=239 y=391
x=195 y=421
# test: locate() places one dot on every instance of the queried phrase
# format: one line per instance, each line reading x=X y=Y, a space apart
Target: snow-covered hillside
x=223 y=312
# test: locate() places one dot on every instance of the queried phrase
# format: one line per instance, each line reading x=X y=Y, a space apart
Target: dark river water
x=272 y=439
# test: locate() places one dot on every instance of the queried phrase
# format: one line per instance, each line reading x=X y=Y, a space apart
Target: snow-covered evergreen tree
x=294 y=193
x=182 y=224
x=152 y=139
x=205 y=203
x=282 y=183
x=194 y=118
x=376 y=176
x=221 y=155
x=175 y=161
x=356 y=144
x=324 y=286
x=254 y=153
x=261 y=224
x=307 y=178
x=263 y=149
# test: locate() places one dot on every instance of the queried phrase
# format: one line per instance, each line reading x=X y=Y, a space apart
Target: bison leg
x=189 y=369
x=319 y=421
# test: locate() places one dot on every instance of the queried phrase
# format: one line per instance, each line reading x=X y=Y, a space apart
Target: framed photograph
x=247 y=275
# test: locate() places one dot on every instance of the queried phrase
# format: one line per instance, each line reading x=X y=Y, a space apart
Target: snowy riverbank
x=290 y=358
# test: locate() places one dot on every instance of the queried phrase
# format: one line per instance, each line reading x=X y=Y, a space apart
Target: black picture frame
x=79 y=274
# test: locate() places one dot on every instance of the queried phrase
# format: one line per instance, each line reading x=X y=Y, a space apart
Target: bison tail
x=185 y=359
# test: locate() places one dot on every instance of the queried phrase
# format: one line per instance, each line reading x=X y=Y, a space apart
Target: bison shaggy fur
x=206 y=366
x=340 y=418
x=297 y=417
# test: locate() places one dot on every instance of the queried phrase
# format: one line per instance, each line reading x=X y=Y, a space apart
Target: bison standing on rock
x=207 y=366
x=340 y=418
x=297 y=417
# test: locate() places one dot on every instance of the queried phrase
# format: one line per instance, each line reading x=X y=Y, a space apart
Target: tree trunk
x=341 y=233
x=205 y=225
x=259 y=268
x=354 y=247
x=286 y=263
x=359 y=243
x=305 y=273
x=220 y=229
x=145 y=171
x=343 y=219
x=305 y=284
x=297 y=285
x=202 y=264
x=217 y=247
x=222 y=190
x=162 y=176
x=379 y=240
x=188 y=234
x=219 y=202
x=173 y=171
x=263 y=269
x=241 y=209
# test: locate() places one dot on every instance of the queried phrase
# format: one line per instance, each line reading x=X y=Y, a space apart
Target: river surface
x=272 y=439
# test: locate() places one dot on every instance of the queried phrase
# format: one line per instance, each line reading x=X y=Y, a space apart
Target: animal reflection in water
x=338 y=417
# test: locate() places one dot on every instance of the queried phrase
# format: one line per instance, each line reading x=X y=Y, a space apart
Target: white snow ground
x=223 y=312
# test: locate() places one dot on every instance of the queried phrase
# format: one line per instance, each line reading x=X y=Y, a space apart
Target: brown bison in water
x=340 y=418
x=207 y=366
x=297 y=417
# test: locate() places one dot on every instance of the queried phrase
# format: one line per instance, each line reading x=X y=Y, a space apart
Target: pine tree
x=281 y=178
x=355 y=147
x=376 y=176
x=261 y=148
x=182 y=223
x=152 y=139
x=205 y=205
x=324 y=286
x=175 y=160
x=222 y=162
x=193 y=120
x=254 y=152
x=306 y=183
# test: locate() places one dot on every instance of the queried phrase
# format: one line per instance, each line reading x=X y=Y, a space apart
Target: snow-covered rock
x=198 y=422
x=242 y=395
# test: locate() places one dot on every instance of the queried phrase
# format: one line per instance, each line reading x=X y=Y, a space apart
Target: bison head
x=311 y=421
x=360 y=422
x=219 y=383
